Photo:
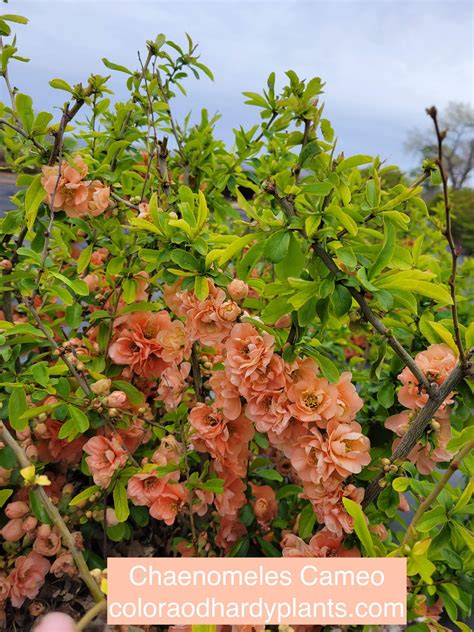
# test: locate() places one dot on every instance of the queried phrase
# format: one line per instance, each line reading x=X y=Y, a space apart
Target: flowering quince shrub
x=223 y=352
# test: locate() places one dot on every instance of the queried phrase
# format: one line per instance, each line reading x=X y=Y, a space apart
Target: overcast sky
x=383 y=61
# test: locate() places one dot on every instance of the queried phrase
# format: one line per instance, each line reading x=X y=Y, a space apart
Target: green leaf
x=5 y=495
x=353 y=161
x=269 y=475
x=129 y=290
x=306 y=522
x=24 y=107
x=425 y=288
x=38 y=508
x=80 y=419
x=35 y=411
x=60 y=84
x=276 y=246
x=40 y=373
x=84 y=495
x=267 y=548
x=122 y=510
x=185 y=260
x=328 y=368
x=401 y=484
x=318 y=188
x=201 y=288
x=341 y=300
x=289 y=490
x=35 y=194
x=9 y=17
x=344 y=219
x=74 y=315
x=432 y=519
x=236 y=246
x=360 y=526
x=17 y=405
x=113 y=66
x=134 y=396
x=385 y=254
x=84 y=259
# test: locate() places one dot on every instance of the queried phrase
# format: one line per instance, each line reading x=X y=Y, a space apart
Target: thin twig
x=54 y=515
x=72 y=369
x=440 y=136
x=378 y=325
x=429 y=500
x=90 y=615
x=23 y=133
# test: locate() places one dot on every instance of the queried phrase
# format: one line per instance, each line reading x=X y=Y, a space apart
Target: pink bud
x=16 y=509
x=13 y=530
x=117 y=399
x=283 y=322
x=238 y=290
x=29 y=524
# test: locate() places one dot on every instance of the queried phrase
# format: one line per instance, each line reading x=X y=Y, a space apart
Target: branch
x=377 y=324
x=68 y=114
x=91 y=615
x=55 y=517
x=428 y=502
x=22 y=132
x=81 y=380
x=418 y=426
x=440 y=136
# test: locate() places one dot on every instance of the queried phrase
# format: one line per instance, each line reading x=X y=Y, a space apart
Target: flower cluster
x=68 y=191
x=436 y=363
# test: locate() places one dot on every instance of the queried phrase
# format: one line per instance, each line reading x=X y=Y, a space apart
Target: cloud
x=383 y=62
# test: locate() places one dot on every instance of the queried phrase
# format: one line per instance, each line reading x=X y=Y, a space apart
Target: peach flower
x=144 y=488
x=27 y=577
x=173 y=385
x=175 y=343
x=348 y=402
x=347 y=448
x=265 y=505
x=4 y=588
x=207 y=422
x=248 y=351
x=64 y=565
x=313 y=400
x=98 y=198
x=169 y=502
x=322 y=544
x=105 y=457
x=136 y=344
x=226 y=395
x=47 y=542
x=329 y=508
x=230 y=531
x=436 y=363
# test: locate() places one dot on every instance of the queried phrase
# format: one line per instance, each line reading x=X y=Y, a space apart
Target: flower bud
x=6 y=265
x=117 y=399
x=238 y=290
